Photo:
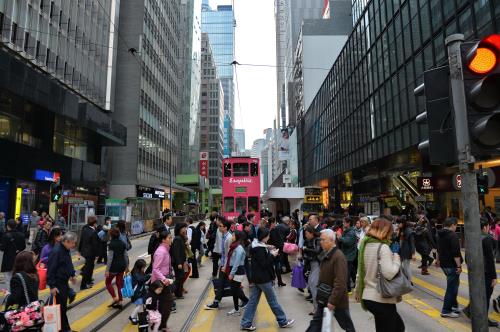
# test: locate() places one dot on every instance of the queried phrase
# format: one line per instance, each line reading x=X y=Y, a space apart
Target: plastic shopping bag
x=326 y=325
x=298 y=280
x=127 y=290
x=42 y=276
x=52 y=316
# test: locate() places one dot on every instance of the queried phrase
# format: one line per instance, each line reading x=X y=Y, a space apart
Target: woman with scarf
x=235 y=270
x=310 y=252
x=383 y=309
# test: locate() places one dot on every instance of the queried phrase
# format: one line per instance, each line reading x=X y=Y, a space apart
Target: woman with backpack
x=139 y=279
x=310 y=252
x=104 y=238
x=12 y=243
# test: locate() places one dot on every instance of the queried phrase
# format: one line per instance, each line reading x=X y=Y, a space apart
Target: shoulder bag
x=397 y=286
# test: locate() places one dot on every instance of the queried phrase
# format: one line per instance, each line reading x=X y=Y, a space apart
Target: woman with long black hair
x=406 y=237
x=235 y=271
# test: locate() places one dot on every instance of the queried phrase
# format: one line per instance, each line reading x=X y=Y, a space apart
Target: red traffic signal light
x=482 y=86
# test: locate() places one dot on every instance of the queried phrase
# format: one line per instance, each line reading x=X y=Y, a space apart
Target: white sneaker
x=234 y=312
x=450 y=315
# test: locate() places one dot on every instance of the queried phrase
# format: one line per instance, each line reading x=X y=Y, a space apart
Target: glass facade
x=219 y=25
x=365 y=109
x=69 y=39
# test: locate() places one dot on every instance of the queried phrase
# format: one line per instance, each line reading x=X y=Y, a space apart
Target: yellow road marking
x=434 y=314
x=265 y=321
x=46 y=291
x=440 y=291
x=204 y=319
x=91 y=317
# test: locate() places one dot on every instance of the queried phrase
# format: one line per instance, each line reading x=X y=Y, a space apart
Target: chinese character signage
x=204 y=164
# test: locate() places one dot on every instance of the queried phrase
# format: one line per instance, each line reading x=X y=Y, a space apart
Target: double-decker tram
x=241 y=187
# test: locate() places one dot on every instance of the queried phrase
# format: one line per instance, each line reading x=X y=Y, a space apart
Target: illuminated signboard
x=43 y=175
x=241 y=189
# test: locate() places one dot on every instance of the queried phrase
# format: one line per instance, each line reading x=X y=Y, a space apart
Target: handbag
x=298 y=280
x=27 y=317
x=52 y=316
x=397 y=286
x=42 y=276
x=290 y=248
x=127 y=290
x=323 y=292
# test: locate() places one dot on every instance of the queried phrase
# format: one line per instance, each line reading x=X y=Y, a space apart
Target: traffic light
x=482 y=183
x=55 y=193
x=441 y=146
x=481 y=73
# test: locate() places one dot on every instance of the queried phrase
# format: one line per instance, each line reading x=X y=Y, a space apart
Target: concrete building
x=318 y=46
x=257 y=147
x=148 y=84
x=190 y=66
x=219 y=25
x=212 y=113
x=56 y=94
x=288 y=17
x=239 y=140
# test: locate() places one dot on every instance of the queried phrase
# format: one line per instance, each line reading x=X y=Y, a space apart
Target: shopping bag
x=298 y=280
x=326 y=325
x=42 y=276
x=290 y=248
x=127 y=290
x=52 y=316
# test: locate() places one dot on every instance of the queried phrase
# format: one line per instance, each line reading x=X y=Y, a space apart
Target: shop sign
x=43 y=175
x=204 y=164
x=425 y=184
x=457 y=181
x=148 y=192
x=74 y=200
x=420 y=198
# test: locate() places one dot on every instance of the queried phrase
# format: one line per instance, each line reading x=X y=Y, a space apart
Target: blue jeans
x=452 y=283
x=256 y=291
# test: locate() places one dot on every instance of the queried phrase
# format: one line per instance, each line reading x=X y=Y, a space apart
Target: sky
x=255 y=44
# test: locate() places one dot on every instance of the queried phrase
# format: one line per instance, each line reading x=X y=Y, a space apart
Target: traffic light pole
x=474 y=251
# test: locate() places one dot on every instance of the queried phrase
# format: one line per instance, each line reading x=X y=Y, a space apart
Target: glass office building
x=361 y=126
x=219 y=25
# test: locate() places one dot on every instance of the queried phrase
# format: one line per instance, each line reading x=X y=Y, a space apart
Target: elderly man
x=332 y=292
x=59 y=271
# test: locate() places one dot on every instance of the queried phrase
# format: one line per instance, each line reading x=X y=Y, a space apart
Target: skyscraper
x=56 y=79
x=212 y=113
x=190 y=66
x=219 y=25
x=148 y=85
x=239 y=140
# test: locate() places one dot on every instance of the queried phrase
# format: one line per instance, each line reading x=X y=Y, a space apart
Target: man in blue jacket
x=60 y=270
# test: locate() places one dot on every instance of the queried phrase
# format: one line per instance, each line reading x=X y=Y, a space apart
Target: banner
x=204 y=164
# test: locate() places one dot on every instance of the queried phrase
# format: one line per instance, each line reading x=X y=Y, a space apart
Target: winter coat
x=311 y=250
x=17 y=296
x=424 y=242
x=12 y=243
x=178 y=251
x=262 y=264
x=348 y=244
x=333 y=272
x=41 y=239
x=407 y=244
x=90 y=243
x=117 y=256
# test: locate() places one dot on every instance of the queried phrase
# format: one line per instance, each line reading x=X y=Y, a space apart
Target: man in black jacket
x=88 y=248
x=490 y=273
x=42 y=237
x=11 y=244
x=450 y=260
x=276 y=239
x=60 y=270
x=178 y=257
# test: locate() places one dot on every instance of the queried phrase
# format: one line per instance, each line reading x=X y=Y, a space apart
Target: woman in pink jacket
x=162 y=270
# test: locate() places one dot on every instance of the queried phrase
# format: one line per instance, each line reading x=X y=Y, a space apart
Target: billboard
x=204 y=164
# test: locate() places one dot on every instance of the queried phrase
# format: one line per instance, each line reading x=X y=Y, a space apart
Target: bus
x=240 y=187
x=313 y=201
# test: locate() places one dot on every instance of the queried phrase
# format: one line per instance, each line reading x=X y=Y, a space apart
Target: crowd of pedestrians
x=337 y=255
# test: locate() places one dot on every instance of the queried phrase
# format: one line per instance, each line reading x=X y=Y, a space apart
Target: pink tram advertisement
x=241 y=187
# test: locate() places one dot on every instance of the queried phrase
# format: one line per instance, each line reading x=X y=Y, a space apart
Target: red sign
x=204 y=168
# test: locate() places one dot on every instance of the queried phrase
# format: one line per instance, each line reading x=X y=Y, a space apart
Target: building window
x=228 y=204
